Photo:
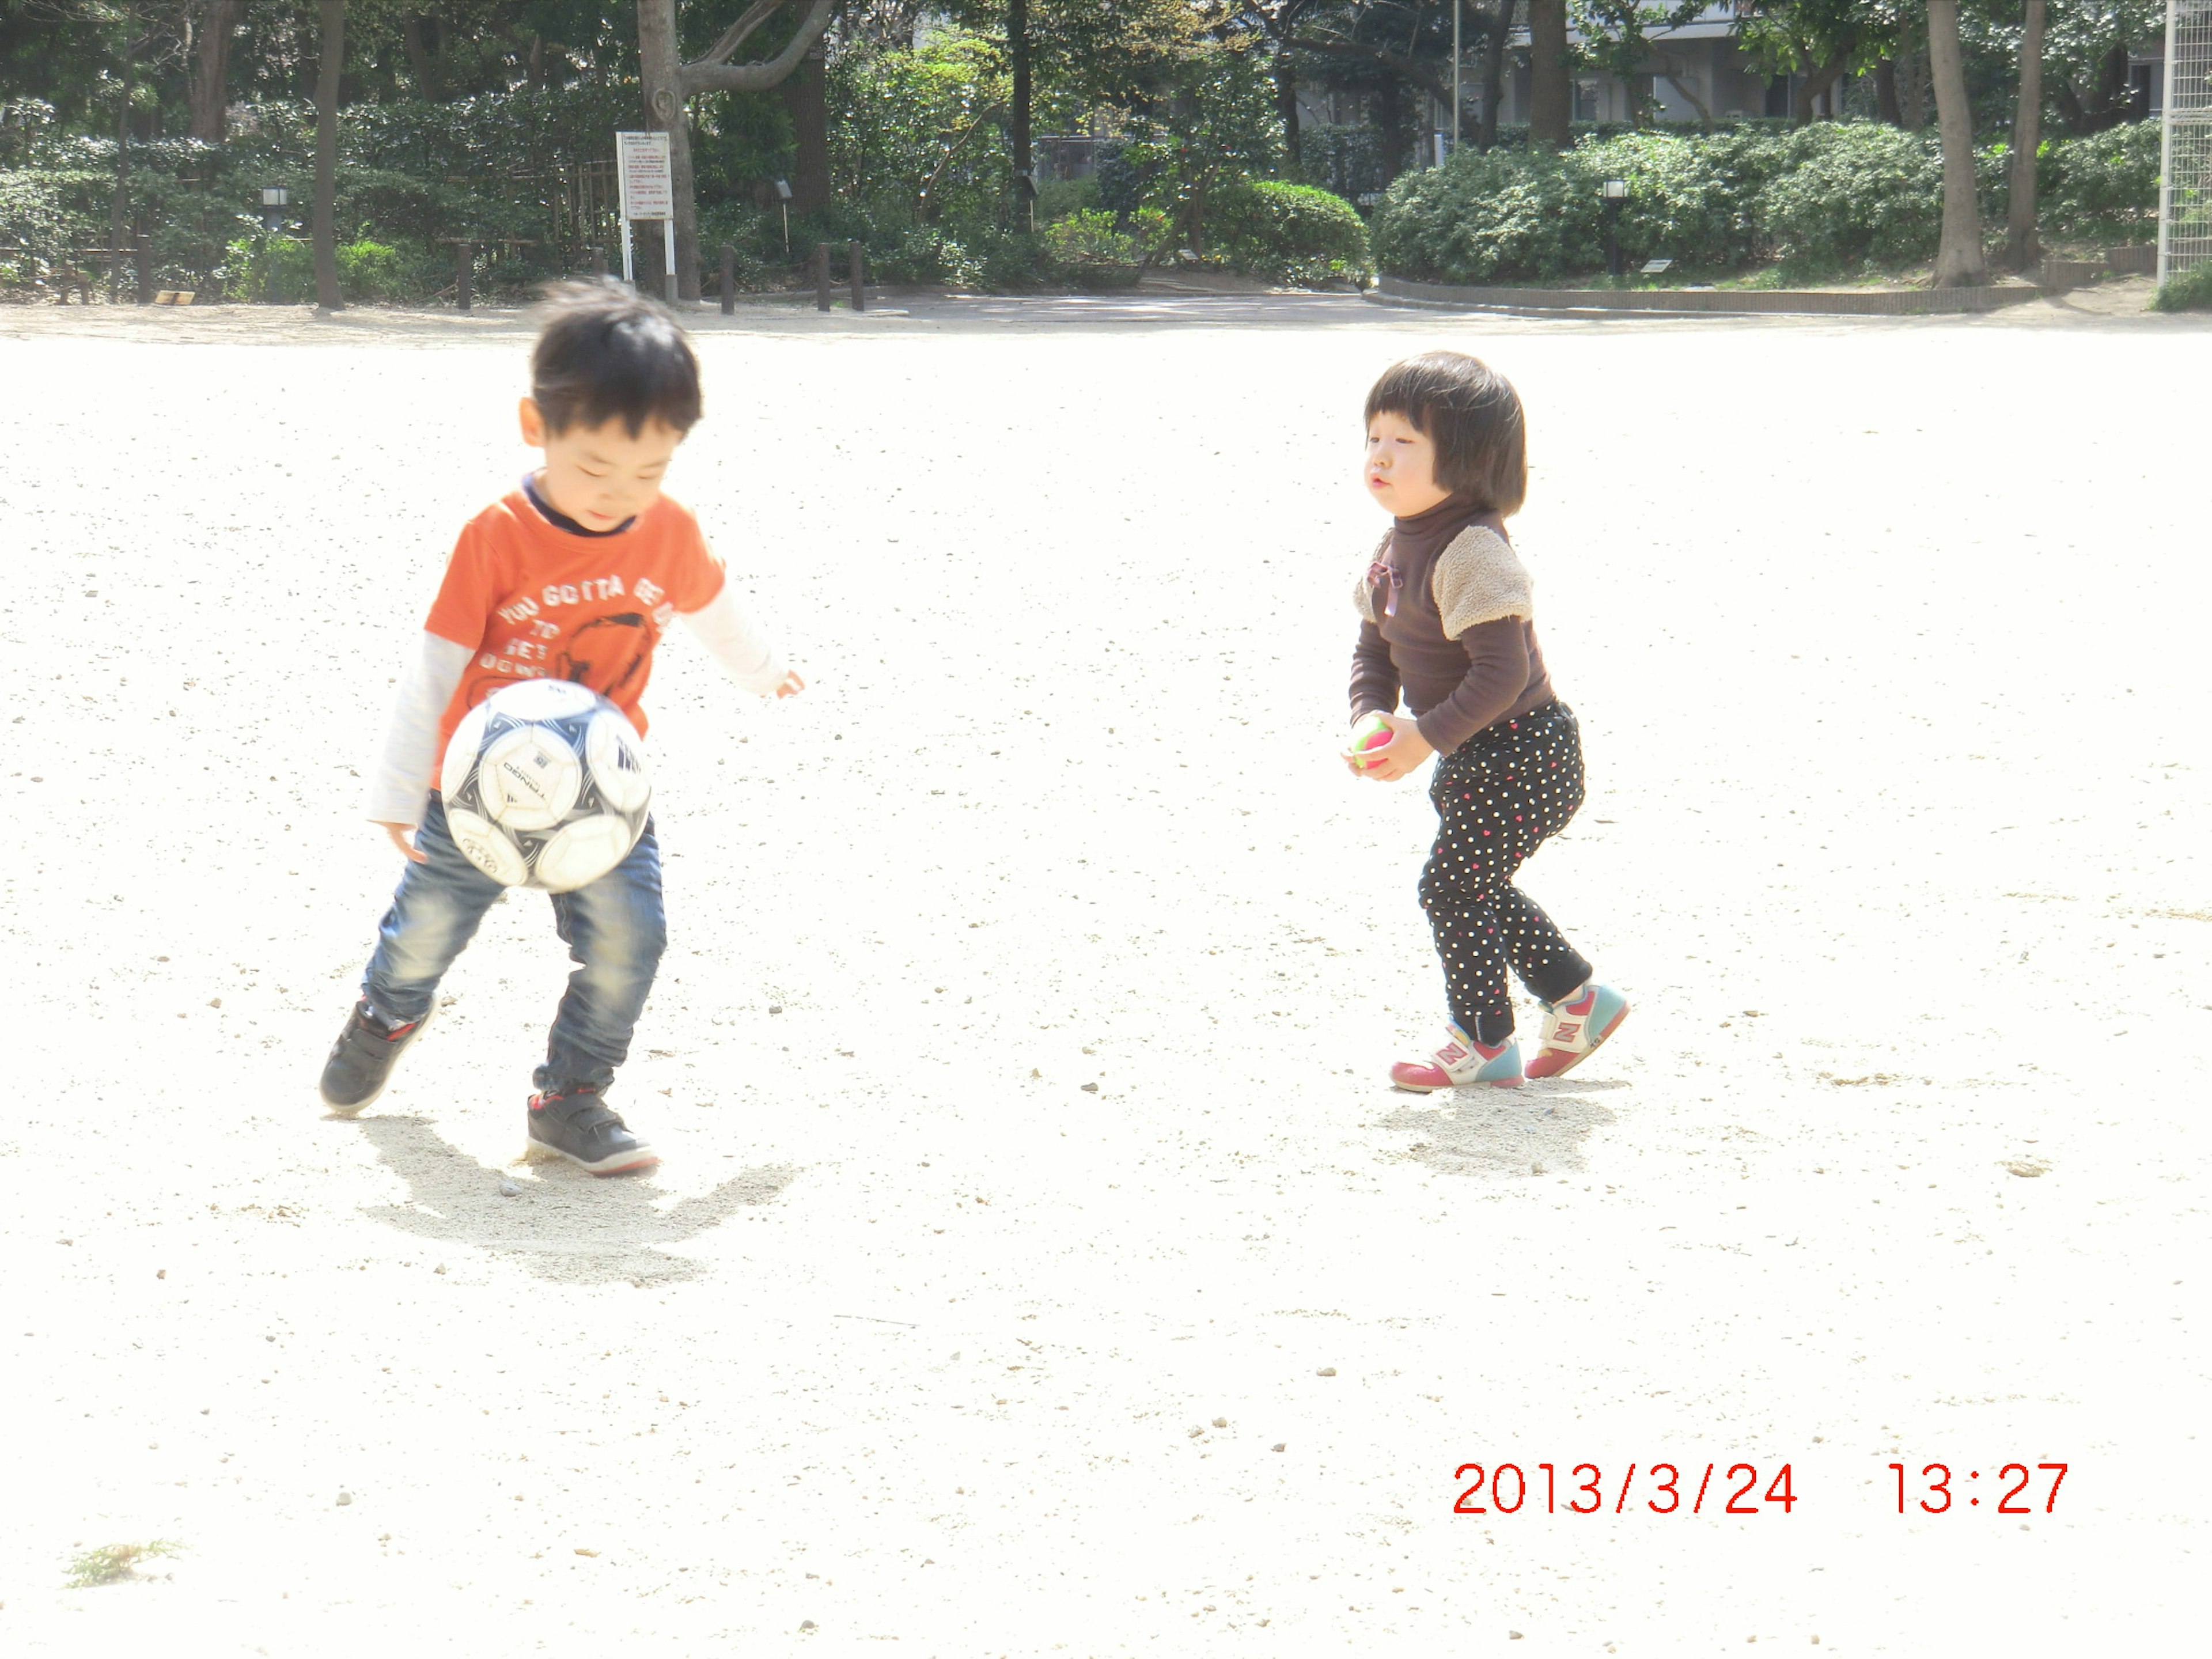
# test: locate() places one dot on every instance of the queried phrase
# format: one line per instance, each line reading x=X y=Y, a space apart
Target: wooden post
x=463 y=263
x=599 y=262
x=855 y=272
x=141 y=248
x=729 y=279
x=822 y=276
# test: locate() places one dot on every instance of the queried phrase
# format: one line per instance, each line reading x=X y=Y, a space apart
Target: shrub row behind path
x=1819 y=200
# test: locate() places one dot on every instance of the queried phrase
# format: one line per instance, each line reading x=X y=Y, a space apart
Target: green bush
x=2103 y=188
x=1487 y=216
x=1821 y=199
x=1059 y=198
x=1680 y=205
x=2190 y=291
x=1091 y=253
x=266 y=270
x=1289 y=233
x=376 y=270
x=1848 y=195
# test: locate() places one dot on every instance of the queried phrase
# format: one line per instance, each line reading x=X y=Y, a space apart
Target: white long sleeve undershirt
x=406 y=767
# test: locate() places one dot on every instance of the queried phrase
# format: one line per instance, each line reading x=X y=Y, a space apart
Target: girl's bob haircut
x=1472 y=414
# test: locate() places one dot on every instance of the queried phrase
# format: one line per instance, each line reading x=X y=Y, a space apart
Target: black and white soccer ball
x=544 y=786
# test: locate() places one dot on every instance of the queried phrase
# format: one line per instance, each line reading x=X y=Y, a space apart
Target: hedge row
x=1817 y=200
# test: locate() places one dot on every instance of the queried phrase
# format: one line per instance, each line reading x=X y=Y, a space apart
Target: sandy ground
x=1017 y=1055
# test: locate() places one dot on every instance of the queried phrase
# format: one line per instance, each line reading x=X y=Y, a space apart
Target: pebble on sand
x=344 y=1498
x=1326 y=1370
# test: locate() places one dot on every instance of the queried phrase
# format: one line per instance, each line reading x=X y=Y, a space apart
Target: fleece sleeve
x=401 y=780
x=725 y=626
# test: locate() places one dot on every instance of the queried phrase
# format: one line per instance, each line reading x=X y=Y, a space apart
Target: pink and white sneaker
x=1461 y=1060
x=1574 y=1029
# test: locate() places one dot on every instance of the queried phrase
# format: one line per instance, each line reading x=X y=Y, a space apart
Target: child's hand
x=398 y=834
x=1404 y=753
x=791 y=686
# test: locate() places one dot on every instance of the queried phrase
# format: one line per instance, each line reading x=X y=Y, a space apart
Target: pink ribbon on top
x=1390 y=579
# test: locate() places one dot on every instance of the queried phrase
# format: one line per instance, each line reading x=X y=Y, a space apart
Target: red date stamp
x=1657 y=1488
x=2010 y=1482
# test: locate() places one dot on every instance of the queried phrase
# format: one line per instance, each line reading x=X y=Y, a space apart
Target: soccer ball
x=544 y=786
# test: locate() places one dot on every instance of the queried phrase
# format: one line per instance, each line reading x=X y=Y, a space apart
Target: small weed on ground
x=115 y=1563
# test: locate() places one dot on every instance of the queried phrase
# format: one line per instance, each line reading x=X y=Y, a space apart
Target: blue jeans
x=614 y=928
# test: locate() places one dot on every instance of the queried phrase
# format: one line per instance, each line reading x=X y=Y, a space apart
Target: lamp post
x=1458 y=6
x=275 y=199
x=1613 y=192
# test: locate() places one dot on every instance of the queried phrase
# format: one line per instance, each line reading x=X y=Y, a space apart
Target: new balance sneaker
x=583 y=1128
x=1574 y=1029
x=1461 y=1060
x=361 y=1059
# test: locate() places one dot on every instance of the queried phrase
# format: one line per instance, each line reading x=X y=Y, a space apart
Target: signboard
x=648 y=188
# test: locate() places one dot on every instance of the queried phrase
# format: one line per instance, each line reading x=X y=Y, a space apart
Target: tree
x=211 y=88
x=115 y=218
x=2022 y=250
x=325 y=223
x=1550 y=102
x=1498 y=27
x=1960 y=262
x=1279 y=22
x=2085 y=59
x=1614 y=40
x=916 y=122
x=670 y=82
x=1821 y=41
x=1017 y=123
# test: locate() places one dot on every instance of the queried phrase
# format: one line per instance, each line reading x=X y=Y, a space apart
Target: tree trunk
x=122 y=169
x=1960 y=262
x=1915 y=92
x=806 y=95
x=1500 y=25
x=211 y=98
x=325 y=227
x=421 y=61
x=1810 y=89
x=1550 y=95
x=1018 y=113
x=2022 y=250
x=1286 y=110
x=1390 y=119
x=660 y=69
x=1885 y=92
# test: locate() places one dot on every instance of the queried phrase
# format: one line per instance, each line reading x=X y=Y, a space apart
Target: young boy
x=574 y=575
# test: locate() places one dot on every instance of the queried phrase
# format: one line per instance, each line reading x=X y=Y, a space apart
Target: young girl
x=1448 y=623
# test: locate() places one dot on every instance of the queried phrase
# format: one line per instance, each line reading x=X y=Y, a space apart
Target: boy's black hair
x=604 y=352
x=1472 y=414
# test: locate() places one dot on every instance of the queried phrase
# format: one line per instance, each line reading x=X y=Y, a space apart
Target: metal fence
x=2184 y=215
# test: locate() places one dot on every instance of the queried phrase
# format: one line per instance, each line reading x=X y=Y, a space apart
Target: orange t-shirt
x=534 y=601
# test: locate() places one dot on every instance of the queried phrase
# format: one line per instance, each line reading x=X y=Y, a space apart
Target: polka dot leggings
x=1497 y=796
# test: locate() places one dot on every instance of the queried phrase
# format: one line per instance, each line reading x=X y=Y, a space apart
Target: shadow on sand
x=564 y=1225
x=1535 y=1130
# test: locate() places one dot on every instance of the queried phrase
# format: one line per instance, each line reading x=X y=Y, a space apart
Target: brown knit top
x=1448 y=623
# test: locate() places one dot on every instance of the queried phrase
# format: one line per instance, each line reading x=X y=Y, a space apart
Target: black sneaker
x=362 y=1057
x=583 y=1128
